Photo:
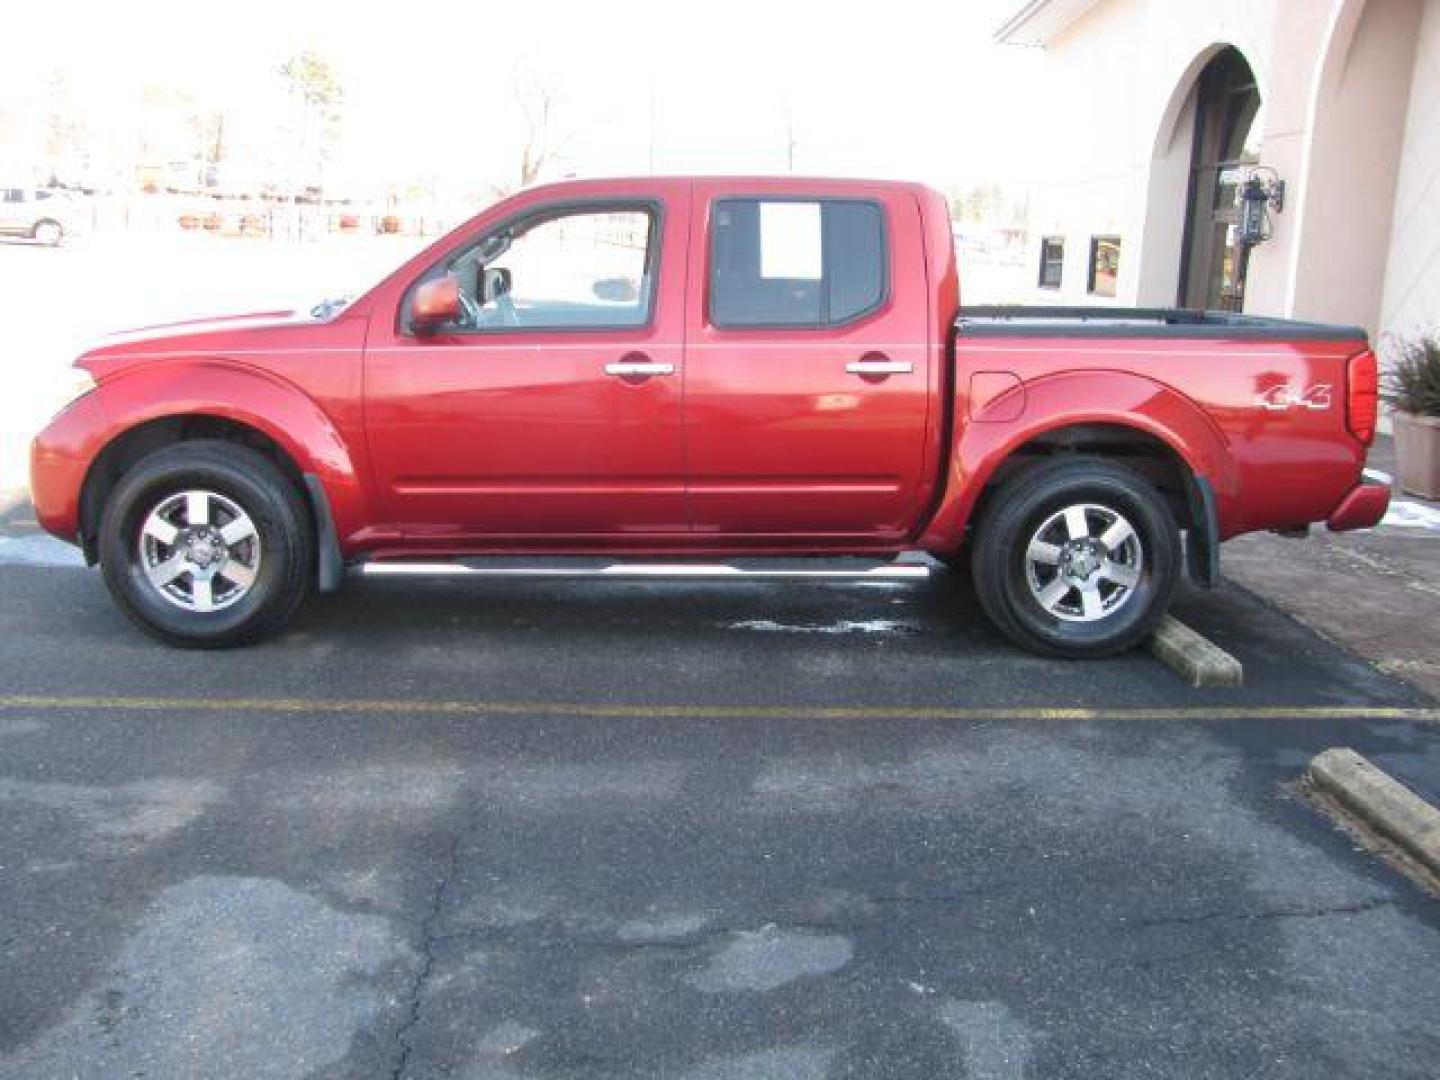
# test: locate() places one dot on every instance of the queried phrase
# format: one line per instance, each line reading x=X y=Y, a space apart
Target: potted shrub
x=1412 y=389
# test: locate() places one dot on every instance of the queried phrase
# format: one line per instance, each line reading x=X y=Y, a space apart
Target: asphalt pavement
x=562 y=829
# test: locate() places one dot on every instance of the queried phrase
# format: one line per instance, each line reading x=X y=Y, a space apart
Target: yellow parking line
x=397 y=707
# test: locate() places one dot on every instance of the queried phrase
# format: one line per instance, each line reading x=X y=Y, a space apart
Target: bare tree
x=546 y=140
x=65 y=134
x=316 y=88
x=207 y=127
x=790 y=142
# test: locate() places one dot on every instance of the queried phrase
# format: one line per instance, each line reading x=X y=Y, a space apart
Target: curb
x=1382 y=802
x=1194 y=657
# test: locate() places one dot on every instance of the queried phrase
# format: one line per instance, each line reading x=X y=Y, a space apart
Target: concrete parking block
x=1381 y=802
x=1194 y=657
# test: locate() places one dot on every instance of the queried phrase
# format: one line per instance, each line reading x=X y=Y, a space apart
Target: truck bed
x=1025 y=321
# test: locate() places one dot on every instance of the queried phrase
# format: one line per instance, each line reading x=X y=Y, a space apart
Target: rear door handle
x=633 y=368
x=880 y=367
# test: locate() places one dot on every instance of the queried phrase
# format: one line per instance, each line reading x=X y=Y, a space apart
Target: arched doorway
x=1212 y=262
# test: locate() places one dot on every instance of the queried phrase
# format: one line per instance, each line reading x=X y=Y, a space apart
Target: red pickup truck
x=703 y=377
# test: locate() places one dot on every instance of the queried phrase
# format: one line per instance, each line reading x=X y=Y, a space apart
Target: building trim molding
x=1038 y=22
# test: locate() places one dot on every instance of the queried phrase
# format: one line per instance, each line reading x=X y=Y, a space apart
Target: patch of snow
x=39 y=550
x=1405 y=514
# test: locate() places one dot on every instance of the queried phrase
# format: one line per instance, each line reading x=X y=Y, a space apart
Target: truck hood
x=214 y=335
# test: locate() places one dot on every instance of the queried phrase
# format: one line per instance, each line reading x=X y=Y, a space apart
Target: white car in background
x=43 y=216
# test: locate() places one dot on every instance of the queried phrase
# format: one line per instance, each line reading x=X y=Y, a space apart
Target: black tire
x=256 y=485
x=1002 y=573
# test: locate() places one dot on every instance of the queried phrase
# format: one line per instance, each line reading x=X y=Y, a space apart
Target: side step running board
x=841 y=569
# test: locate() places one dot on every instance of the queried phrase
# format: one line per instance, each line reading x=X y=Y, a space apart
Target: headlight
x=76 y=384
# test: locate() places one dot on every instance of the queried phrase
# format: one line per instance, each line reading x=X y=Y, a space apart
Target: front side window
x=795 y=263
x=581 y=269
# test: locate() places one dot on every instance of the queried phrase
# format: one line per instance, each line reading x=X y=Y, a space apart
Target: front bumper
x=60 y=456
x=1362 y=508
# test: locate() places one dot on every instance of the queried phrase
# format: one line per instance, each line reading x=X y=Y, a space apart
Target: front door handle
x=880 y=367
x=634 y=368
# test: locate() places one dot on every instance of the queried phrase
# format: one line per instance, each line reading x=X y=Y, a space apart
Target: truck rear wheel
x=206 y=544
x=1077 y=558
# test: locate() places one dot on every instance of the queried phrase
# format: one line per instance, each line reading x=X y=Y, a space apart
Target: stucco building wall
x=1350 y=119
x=1411 y=298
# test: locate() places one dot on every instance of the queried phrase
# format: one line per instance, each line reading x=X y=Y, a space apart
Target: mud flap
x=1202 y=541
x=330 y=564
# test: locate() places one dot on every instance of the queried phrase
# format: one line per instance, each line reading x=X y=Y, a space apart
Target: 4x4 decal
x=1283 y=397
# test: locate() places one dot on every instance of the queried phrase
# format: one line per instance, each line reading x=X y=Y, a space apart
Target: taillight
x=1362 y=397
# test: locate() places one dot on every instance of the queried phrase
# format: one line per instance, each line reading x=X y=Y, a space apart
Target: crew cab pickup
x=702 y=376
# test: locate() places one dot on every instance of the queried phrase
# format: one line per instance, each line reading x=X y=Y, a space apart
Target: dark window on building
x=796 y=262
x=1104 y=265
x=1052 y=261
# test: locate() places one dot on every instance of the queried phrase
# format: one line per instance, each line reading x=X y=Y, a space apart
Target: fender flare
x=1068 y=399
x=258 y=400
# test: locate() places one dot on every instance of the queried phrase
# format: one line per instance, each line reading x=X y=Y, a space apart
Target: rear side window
x=786 y=262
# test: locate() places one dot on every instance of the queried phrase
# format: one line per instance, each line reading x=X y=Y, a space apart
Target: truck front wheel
x=206 y=544
x=1076 y=558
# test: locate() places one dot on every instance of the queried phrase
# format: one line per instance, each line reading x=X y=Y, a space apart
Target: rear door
x=807 y=368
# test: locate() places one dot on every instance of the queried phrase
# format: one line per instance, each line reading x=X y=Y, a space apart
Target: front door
x=552 y=407
x=808 y=387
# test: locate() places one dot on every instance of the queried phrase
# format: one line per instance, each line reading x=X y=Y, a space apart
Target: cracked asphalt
x=629 y=886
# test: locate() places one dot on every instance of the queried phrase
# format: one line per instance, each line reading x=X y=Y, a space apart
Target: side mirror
x=433 y=304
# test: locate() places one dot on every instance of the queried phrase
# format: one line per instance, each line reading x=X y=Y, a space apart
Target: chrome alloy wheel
x=1083 y=563
x=199 y=550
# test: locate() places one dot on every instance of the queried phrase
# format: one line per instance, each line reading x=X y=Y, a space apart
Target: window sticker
x=790 y=243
